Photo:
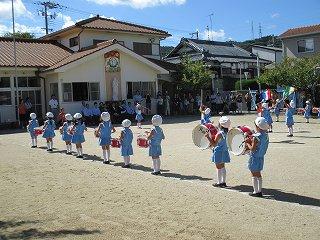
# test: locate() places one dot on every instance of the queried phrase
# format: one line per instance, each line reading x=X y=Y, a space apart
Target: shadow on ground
x=279 y=195
x=288 y=142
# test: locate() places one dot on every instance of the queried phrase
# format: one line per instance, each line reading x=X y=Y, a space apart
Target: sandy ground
x=53 y=195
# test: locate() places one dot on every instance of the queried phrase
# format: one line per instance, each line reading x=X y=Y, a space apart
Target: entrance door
x=35 y=97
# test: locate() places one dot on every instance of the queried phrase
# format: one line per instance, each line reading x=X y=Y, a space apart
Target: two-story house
x=94 y=60
x=301 y=42
x=272 y=54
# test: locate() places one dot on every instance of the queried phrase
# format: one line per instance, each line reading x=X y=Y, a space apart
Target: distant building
x=271 y=54
x=225 y=59
x=301 y=42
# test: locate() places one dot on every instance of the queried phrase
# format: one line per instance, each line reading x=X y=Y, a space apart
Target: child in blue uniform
x=289 y=116
x=104 y=131
x=126 y=142
x=266 y=114
x=33 y=123
x=48 y=130
x=277 y=109
x=77 y=131
x=64 y=130
x=139 y=116
x=220 y=151
x=205 y=115
x=155 y=137
x=258 y=148
x=307 y=111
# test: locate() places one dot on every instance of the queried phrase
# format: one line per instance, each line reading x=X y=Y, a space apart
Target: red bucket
x=38 y=131
x=115 y=143
x=142 y=142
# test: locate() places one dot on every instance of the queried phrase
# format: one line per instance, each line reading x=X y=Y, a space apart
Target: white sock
x=104 y=154
x=51 y=144
x=255 y=184
x=154 y=161
x=126 y=160
x=80 y=151
x=219 y=176
x=32 y=141
x=70 y=147
x=48 y=145
x=35 y=141
x=158 y=162
x=224 y=175
x=108 y=154
x=291 y=130
x=260 y=184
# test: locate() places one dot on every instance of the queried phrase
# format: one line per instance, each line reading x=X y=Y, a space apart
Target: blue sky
x=231 y=18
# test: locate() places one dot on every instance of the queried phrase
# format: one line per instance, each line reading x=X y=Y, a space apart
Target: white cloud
x=219 y=35
x=67 y=20
x=139 y=4
x=275 y=15
x=19 y=9
x=36 y=30
x=103 y=16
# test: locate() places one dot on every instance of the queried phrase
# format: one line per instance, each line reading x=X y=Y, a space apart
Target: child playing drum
x=307 y=111
x=220 y=151
x=48 y=130
x=289 y=116
x=155 y=137
x=205 y=114
x=64 y=130
x=258 y=147
x=126 y=142
x=77 y=131
x=266 y=114
x=33 y=123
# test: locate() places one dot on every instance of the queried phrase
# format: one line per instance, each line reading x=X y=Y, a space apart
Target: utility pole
x=208 y=31
x=211 y=16
x=260 y=30
x=195 y=33
x=252 y=30
x=44 y=12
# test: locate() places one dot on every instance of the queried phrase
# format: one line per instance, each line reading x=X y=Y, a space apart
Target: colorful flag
x=266 y=95
x=288 y=91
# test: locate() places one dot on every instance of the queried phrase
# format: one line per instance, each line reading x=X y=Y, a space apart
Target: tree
x=24 y=35
x=194 y=75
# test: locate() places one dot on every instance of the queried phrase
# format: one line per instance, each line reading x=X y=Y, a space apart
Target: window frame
x=8 y=87
x=10 y=92
x=140 y=51
x=74 y=41
x=89 y=92
x=305 y=47
x=143 y=91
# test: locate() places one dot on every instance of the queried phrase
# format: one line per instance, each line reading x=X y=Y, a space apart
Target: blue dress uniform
x=266 y=114
x=50 y=126
x=220 y=151
x=139 y=116
x=256 y=159
x=105 y=133
x=78 y=135
x=32 y=125
x=307 y=111
x=289 y=117
x=65 y=135
x=155 y=142
x=205 y=118
x=277 y=109
x=126 y=142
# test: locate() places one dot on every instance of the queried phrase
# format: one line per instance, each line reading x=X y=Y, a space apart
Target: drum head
x=198 y=137
x=235 y=141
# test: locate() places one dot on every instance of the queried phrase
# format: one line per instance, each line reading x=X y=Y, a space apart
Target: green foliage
x=194 y=75
x=263 y=41
x=24 y=35
x=296 y=72
x=253 y=84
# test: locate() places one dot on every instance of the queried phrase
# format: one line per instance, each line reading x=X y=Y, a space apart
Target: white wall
x=264 y=53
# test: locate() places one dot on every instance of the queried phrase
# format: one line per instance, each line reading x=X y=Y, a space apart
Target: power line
x=260 y=30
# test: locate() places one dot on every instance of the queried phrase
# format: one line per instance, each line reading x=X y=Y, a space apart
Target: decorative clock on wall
x=112 y=61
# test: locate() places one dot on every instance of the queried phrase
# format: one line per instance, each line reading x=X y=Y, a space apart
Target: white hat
x=292 y=104
x=307 y=102
x=261 y=123
x=49 y=115
x=265 y=105
x=156 y=120
x=68 y=116
x=225 y=122
x=277 y=100
x=126 y=123
x=207 y=111
x=33 y=115
x=105 y=116
x=77 y=116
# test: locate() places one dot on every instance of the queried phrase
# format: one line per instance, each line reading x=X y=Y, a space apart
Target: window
x=306 y=45
x=73 y=41
x=142 y=48
x=96 y=41
x=143 y=87
x=5 y=98
x=54 y=89
x=226 y=71
x=22 y=81
x=28 y=82
x=4 y=82
x=81 y=91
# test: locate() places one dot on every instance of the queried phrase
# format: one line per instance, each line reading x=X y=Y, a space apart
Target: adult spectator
x=87 y=114
x=213 y=102
x=258 y=97
x=61 y=118
x=160 y=105
x=219 y=102
x=148 y=102
x=95 y=113
x=166 y=104
x=22 y=111
x=54 y=104
x=207 y=99
x=102 y=107
x=28 y=104
x=191 y=101
x=248 y=100
x=137 y=98
x=239 y=103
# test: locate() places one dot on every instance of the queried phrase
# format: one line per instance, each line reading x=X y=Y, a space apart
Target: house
x=104 y=70
x=271 y=54
x=227 y=61
x=301 y=42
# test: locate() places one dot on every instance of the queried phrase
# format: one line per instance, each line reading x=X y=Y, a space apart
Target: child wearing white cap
x=104 y=131
x=126 y=138
x=33 y=123
x=205 y=114
x=258 y=148
x=266 y=114
x=155 y=137
x=220 y=154
x=77 y=131
x=139 y=116
x=289 y=116
x=48 y=130
x=65 y=135
x=307 y=111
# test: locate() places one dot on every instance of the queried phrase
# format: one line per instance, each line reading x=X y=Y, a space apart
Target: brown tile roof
x=111 y=25
x=31 y=53
x=76 y=56
x=301 y=31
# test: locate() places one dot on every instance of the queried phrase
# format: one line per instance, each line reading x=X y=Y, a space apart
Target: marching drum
x=236 y=139
x=115 y=143
x=142 y=141
x=38 y=131
x=96 y=133
x=199 y=132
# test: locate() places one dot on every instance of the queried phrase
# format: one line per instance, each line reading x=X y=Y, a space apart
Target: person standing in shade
x=248 y=100
x=28 y=104
x=148 y=102
x=54 y=106
x=22 y=111
x=167 y=104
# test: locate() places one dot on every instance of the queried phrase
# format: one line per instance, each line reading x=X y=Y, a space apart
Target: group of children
x=72 y=131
